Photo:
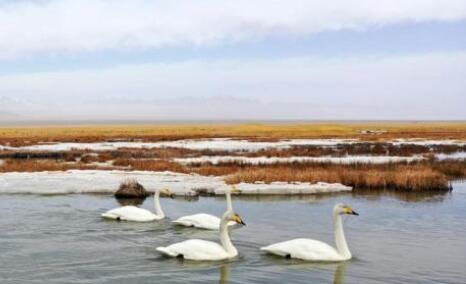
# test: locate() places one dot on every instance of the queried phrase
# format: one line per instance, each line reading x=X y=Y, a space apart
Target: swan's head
x=344 y=209
x=167 y=192
x=235 y=190
x=232 y=216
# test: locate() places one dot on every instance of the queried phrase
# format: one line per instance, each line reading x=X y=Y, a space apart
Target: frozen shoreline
x=452 y=156
x=223 y=144
x=95 y=181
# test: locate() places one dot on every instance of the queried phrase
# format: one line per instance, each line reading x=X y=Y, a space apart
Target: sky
x=232 y=60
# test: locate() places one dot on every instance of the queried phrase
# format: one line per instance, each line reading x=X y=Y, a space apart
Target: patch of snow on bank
x=452 y=156
x=327 y=159
x=287 y=188
x=224 y=144
x=426 y=142
x=94 y=181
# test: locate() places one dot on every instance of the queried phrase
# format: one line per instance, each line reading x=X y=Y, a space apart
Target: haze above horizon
x=143 y=60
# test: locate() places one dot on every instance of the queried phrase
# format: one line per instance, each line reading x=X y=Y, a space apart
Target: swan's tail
x=272 y=250
x=182 y=222
x=265 y=248
x=108 y=216
x=166 y=251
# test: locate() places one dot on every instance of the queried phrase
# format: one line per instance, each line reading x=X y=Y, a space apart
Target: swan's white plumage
x=201 y=220
x=136 y=214
x=305 y=249
x=205 y=250
x=131 y=213
x=206 y=221
x=313 y=250
x=196 y=250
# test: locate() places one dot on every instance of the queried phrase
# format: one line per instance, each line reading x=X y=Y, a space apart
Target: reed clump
x=366 y=148
x=406 y=177
x=131 y=188
x=36 y=165
x=451 y=168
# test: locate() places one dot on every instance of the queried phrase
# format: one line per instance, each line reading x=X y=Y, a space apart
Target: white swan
x=136 y=214
x=313 y=250
x=204 y=250
x=207 y=221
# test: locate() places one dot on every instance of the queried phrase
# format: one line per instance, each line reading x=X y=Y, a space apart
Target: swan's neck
x=158 y=209
x=340 y=240
x=225 y=237
x=229 y=204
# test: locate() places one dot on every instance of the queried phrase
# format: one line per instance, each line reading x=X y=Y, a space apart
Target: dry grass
x=453 y=169
x=35 y=165
x=355 y=149
x=156 y=153
x=20 y=155
x=17 y=136
x=425 y=175
x=414 y=178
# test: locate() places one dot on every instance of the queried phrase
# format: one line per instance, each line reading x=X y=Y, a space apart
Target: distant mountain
x=6 y=115
x=13 y=109
x=8 y=102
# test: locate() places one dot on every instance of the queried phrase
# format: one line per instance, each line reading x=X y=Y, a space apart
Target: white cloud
x=70 y=26
x=429 y=86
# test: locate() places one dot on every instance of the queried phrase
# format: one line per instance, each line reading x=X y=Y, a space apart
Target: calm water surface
x=404 y=238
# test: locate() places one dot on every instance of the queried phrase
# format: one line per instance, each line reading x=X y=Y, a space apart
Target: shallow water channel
x=398 y=238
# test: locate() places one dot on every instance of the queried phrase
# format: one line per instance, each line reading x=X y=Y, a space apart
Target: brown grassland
x=35 y=165
x=429 y=174
x=416 y=176
x=24 y=135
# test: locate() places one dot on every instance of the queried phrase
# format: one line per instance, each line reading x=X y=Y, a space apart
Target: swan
x=136 y=214
x=205 y=250
x=313 y=250
x=207 y=221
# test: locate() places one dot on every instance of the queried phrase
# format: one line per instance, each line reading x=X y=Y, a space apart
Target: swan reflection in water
x=338 y=275
x=225 y=273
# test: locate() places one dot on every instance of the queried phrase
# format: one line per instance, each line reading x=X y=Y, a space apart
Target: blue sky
x=232 y=59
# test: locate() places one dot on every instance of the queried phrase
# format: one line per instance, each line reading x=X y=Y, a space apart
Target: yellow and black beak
x=169 y=193
x=235 y=190
x=236 y=218
x=350 y=211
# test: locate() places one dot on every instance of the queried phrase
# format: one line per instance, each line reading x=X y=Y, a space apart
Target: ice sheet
x=225 y=144
x=427 y=142
x=452 y=156
x=195 y=144
x=95 y=181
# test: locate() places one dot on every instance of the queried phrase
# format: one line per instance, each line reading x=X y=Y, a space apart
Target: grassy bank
x=429 y=174
x=411 y=178
x=416 y=176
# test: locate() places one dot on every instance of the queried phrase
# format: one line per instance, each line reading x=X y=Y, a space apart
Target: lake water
x=398 y=238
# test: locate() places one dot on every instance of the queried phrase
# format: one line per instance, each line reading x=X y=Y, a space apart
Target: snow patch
x=426 y=142
x=452 y=156
x=94 y=181
x=287 y=188
x=224 y=144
